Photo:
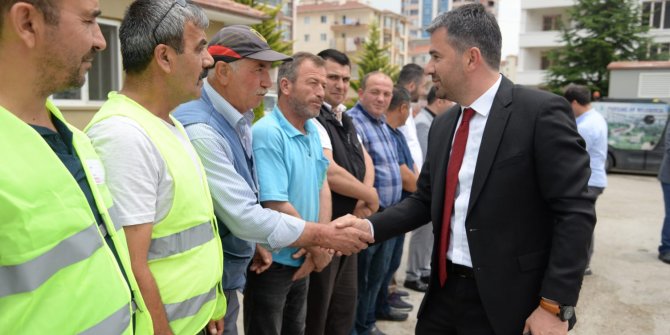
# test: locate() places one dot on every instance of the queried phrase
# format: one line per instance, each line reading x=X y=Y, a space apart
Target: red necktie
x=455 y=162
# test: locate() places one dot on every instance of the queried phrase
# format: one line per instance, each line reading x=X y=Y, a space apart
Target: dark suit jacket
x=530 y=218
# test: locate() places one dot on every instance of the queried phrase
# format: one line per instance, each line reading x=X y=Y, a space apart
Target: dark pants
x=665 y=232
x=597 y=191
x=232 y=312
x=382 y=306
x=273 y=303
x=331 y=301
x=373 y=263
x=454 y=309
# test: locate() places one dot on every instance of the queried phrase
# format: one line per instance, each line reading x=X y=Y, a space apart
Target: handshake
x=346 y=235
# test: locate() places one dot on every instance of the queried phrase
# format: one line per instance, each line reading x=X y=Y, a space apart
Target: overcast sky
x=508 y=19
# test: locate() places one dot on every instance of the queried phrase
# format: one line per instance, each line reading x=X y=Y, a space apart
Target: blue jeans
x=665 y=232
x=383 y=306
x=232 y=311
x=373 y=263
x=273 y=303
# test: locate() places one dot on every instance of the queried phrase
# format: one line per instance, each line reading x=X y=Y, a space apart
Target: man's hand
x=352 y=221
x=541 y=322
x=373 y=202
x=215 y=327
x=307 y=266
x=261 y=261
x=362 y=210
x=316 y=259
x=347 y=235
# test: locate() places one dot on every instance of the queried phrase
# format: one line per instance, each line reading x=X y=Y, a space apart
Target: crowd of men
x=170 y=202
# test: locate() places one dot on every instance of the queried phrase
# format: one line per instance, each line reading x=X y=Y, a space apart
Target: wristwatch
x=563 y=312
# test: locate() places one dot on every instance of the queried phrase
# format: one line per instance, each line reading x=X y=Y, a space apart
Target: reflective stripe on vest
x=185 y=255
x=180 y=242
x=30 y=275
x=116 y=323
x=190 y=306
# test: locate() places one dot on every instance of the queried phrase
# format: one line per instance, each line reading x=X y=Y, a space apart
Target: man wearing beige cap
x=219 y=127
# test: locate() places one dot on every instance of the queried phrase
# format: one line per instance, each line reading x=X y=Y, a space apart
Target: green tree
x=273 y=33
x=374 y=58
x=596 y=33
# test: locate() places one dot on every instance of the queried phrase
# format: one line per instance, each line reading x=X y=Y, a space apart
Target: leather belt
x=460 y=271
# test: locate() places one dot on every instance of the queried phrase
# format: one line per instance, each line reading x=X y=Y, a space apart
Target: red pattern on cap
x=219 y=50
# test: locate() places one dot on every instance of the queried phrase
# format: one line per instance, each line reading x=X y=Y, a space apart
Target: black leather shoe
x=401 y=293
x=426 y=279
x=416 y=285
x=664 y=257
x=376 y=331
x=393 y=316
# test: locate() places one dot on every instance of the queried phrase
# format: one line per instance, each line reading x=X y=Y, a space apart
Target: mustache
x=262 y=91
x=204 y=72
x=90 y=56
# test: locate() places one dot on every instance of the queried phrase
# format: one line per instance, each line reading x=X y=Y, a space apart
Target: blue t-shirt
x=404 y=154
x=290 y=167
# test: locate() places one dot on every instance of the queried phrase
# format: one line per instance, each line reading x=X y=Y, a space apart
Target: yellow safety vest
x=185 y=256
x=57 y=274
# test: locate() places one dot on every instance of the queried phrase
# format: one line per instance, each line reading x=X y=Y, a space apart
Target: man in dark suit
x=507 y=194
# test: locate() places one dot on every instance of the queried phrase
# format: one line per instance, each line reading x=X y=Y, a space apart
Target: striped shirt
x=378 y=141
x=234 y=201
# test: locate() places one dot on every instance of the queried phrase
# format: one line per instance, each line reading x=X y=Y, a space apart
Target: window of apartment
x=324 y=19
x=306 y=38
x=662 y=49
x=104 y=75
x=413 y=12
x=323 y=37
x=545 y=62
x=307 y=19
x=658 y=14
x=551 y=22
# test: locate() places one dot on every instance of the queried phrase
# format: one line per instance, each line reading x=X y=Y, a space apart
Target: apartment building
x=286 y=15
x=345 y=25
x=539 y=33
x=78 y=105
x=420 y=13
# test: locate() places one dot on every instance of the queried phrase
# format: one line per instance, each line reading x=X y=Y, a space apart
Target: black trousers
x=331 y=300
x=454 y=309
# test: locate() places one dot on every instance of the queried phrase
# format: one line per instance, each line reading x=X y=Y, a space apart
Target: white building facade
x=539 y=33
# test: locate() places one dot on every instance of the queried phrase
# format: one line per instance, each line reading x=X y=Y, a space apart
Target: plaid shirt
x=378 y=141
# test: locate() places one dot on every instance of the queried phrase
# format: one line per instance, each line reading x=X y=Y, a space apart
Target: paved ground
x=629 y=292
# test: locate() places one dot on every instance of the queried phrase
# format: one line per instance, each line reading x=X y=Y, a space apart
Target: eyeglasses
x=180 y=3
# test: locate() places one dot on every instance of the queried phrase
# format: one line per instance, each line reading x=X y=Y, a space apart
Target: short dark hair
x=432 y=95
x=148 y=23
x=336 y=56
x=579 y=93
x=289 y=68
x=400 y=96
x=410 y=73
x=472 y=26
x=48 y=8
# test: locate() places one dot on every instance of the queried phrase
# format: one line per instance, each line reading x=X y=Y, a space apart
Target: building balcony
x=537 y=4
x=531 y=77
x=540 y=39
x=349 y=26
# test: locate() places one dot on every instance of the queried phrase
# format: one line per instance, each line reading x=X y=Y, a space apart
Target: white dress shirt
x=459 y=250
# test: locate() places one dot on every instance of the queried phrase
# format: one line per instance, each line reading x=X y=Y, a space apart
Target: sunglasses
x=177 y=2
